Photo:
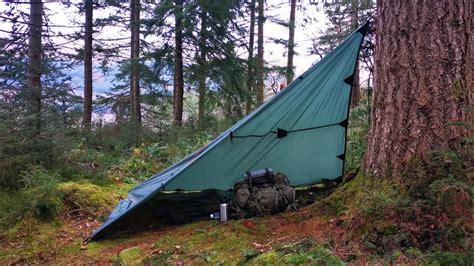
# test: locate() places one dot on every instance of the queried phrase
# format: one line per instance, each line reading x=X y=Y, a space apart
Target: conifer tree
x=260 y=56
x=87 y=112
x=202 y=66
x=178 y=90
x=291 y=42
x=33 y=87
x=250 y=60
x=135 y=109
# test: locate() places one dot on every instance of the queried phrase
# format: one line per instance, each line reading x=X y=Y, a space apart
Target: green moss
x=130 y=256
x=36 y=237
x=268 y=258
x=211 y=241
x=250 y=254
x=72 y=248
x=96 y=248
x=87 y=197
x=366 y=195
x=158 y=259
x=297 y=259
x=459 y=91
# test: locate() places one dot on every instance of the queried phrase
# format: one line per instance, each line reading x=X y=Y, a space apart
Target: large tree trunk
x=178 y=90
x=135 y=110
x=260 y=69
x=250 y=61
x=291 y=43
x=202 y=68
x=87 y=113
x=34 y=66
x=422 y=79
x=355 y=92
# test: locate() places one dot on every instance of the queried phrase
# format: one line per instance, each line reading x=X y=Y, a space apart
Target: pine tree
x=202 y=67
x=33 y=87
x=87 y=112
x=135 y=110
x=291 y=42
x=37 y=105
x=260 y=59
x=250 y=60
x=178 y=90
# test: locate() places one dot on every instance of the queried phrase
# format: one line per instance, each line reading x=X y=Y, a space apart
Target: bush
x=12 y=207
x=20 y=148
x=140 y=164
x=40 y=192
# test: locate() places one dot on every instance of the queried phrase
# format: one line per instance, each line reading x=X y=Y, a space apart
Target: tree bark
x=202 y=68
x=178 y=90
x=135 y=110
x=423 y=68
x=355 y=92
x=250 y=61
x=260 y=69
x=34 y=68
x=87 y=115
x=291 y=43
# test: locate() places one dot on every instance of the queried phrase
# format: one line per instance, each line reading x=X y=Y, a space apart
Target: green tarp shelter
x=301 y=131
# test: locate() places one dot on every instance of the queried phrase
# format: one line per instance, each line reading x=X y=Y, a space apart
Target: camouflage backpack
x=262 y=193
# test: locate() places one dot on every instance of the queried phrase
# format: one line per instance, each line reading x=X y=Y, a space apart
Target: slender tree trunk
x=178 y=64
x=355 y=92
x=260 y=69
x=423 y=71
x=34 y=65
x=250 y=61
x=87 y=115
x=135 y=110
x=291 y=43
x=202 y=68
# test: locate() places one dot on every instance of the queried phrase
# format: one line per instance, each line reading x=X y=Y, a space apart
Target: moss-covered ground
x=324 y=233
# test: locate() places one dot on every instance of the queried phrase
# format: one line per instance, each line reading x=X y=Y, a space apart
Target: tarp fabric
x=301 y=132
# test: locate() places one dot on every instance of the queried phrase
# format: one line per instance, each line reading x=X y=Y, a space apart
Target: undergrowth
x=428 y=209
x=357 y=137
x=86 y=175
x=425 y=213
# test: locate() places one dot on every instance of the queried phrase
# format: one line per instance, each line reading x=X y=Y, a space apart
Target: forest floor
x=295 y=237
x=308 y=235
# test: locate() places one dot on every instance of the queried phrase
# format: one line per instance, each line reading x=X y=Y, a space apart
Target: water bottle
x=223 y=212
